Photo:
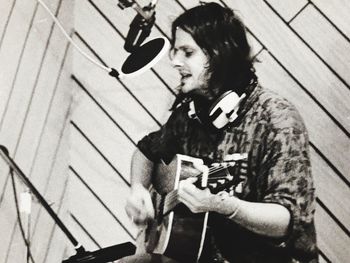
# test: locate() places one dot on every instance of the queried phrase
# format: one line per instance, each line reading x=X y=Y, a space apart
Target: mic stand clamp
x=114 y=73
x=140 y=28
x=125 y=4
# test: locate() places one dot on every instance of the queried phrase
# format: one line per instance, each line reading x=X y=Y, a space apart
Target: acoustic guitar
x=177 y=232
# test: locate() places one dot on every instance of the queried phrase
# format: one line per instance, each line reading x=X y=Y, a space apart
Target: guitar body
x=178 y=234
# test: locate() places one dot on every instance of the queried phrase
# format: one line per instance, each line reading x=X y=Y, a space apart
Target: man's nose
x=177 y=61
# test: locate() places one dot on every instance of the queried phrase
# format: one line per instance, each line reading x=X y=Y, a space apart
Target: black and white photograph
x=174 y=131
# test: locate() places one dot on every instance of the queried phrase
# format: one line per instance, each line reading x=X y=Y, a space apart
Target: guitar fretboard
x=218 y=179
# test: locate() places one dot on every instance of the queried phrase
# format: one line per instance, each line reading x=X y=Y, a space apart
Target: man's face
x=191 y=62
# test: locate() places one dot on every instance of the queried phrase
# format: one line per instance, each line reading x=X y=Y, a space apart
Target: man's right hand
x=139 y=206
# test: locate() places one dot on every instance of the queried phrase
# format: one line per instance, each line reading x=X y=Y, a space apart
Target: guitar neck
x=170 y=201
x=217 y=179
x=171 y=198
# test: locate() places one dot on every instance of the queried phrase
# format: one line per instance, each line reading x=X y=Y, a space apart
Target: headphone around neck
x=222 y=112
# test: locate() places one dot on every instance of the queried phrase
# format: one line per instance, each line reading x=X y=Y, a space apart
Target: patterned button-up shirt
x=270 y=130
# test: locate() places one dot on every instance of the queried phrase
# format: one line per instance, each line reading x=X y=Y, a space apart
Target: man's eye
x=188 y=53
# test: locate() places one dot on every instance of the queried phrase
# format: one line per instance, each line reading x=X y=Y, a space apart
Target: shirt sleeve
x=288 y=180
x=163 y=144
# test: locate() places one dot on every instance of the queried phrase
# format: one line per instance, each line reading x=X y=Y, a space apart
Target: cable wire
x=57 y=22
x=29 y=253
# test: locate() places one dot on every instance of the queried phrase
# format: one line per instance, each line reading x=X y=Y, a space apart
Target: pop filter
x=144 y=57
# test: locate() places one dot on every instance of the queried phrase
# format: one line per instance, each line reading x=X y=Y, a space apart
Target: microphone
x=143 y=58
x=108 y=254
x=140 y=28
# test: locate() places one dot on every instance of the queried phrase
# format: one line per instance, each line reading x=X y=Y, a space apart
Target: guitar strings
x=171 y=199
x=212 y=170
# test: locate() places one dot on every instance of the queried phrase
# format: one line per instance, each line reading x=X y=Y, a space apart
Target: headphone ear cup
x=224 y=110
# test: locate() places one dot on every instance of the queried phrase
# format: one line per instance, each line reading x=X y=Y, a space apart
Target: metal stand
x=82 y=256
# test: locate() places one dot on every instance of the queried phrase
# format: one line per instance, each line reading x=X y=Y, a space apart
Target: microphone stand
x=140 y=27
x=81 y=256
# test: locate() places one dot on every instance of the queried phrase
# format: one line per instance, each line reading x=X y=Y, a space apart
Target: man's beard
x=200 y=98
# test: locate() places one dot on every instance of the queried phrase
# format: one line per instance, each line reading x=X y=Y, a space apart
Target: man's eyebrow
x=183 y=47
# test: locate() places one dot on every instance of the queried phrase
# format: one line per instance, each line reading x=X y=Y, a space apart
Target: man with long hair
x=269 y=215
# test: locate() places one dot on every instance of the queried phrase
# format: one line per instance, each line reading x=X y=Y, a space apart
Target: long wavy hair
x=222 y=37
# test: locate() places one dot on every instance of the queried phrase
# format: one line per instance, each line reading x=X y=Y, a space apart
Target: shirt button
x=283 y=244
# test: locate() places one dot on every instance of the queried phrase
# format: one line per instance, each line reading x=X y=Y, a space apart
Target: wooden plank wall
x=35 y=97
x=304 y=53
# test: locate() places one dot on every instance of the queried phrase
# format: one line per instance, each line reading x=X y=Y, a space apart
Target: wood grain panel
x=288 y=8
x=25 y=80
x=42 y=226
x=331 y=239
x=6 y=7
x=52 y=156
x=85 y=239
x=55 y=192
x=41 y=103
x=103 y=180
x=331 y=189
x=7 y=220
x=167 y=11
x=325 y=40
x=322 y=260
x=16 y=249
x=190 y=4
x=11 y=51
x=58 y=245
x=323 y=132
x=337 y=11
x=104 y=135
x=13 y=119
x=42 y=238
x=291 y=51
x=103 y=228
x=30 y=60
x=114 y=99
x=53 y=136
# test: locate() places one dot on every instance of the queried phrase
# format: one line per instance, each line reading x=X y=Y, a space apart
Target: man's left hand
x=195 y=199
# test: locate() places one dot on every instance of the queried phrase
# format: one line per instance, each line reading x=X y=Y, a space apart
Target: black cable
x=28 y=239
x=29 y=254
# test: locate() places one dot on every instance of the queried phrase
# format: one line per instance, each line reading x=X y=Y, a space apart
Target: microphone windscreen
x=145 y=57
